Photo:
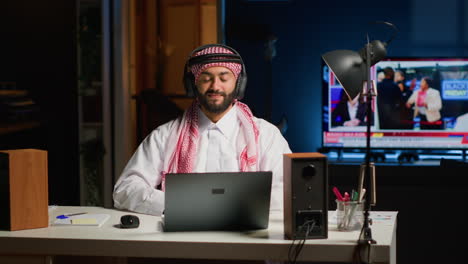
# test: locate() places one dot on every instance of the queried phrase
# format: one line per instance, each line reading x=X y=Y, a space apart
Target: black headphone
x=189 y=78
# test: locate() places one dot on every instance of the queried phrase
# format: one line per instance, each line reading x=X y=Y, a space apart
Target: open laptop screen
x=217 y=201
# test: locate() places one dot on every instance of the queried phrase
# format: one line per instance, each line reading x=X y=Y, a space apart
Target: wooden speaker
x=305 y=195
x=23 y=189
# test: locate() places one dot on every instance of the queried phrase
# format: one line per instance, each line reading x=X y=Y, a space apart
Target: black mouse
x=129 y=221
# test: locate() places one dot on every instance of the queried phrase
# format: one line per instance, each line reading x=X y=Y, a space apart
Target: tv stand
x=377 y=156
x=408 y=156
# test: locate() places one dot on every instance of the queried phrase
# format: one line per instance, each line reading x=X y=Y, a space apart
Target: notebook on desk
x=217 y=201
x=81 y=219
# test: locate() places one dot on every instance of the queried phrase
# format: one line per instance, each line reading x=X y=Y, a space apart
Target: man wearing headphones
x=217 y=133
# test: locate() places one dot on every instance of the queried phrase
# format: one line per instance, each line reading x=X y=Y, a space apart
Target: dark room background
x=281 y=42
x=304 y=30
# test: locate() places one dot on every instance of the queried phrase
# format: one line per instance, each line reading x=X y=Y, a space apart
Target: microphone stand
x=366 y=235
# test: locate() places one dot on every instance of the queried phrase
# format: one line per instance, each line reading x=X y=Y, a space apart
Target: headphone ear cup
x=241 y=84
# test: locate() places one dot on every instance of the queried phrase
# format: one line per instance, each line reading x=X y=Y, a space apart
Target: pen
x=346 y=197
x=354 y=195
x=76 y=214
x=350 y=214
x=338 y=194
x=362 y=195
x=67 y=215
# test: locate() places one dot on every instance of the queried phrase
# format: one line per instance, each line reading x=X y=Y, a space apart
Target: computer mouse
x=129 y=221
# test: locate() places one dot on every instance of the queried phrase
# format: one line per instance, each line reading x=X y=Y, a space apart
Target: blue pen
x=68 y=215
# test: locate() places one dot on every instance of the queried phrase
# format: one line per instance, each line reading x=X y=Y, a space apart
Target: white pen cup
x=349 y=215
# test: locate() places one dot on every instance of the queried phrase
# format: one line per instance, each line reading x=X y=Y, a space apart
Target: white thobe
x=136 y=190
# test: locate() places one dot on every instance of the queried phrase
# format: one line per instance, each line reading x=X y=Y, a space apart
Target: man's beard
x=213 y=107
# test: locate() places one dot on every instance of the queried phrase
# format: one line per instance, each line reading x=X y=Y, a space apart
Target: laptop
x=217 y=201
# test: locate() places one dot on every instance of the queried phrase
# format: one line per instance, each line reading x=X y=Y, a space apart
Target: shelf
x=18 y=127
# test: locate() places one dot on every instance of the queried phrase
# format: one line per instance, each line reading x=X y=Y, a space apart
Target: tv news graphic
x=450 y=79
x=305 y=195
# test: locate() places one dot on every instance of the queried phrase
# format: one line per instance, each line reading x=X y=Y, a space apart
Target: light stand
x=366 y=235
x=352 y=70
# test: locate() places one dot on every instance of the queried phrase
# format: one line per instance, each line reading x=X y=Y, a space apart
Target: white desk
x=149 y=241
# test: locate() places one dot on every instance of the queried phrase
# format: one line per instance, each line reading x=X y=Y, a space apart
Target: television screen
x=421 y=103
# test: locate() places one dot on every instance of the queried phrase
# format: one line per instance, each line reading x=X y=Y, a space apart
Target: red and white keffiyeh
x=183 y=141
x=197 y=69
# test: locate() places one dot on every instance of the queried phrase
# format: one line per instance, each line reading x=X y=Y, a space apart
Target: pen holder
x=349 y=215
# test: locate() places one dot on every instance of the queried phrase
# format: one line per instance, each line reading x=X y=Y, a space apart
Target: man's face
x=398 y=77
x=216 y=87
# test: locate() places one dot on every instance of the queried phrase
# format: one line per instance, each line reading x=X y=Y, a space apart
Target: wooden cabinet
x=166 y=31
x=184 y=25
